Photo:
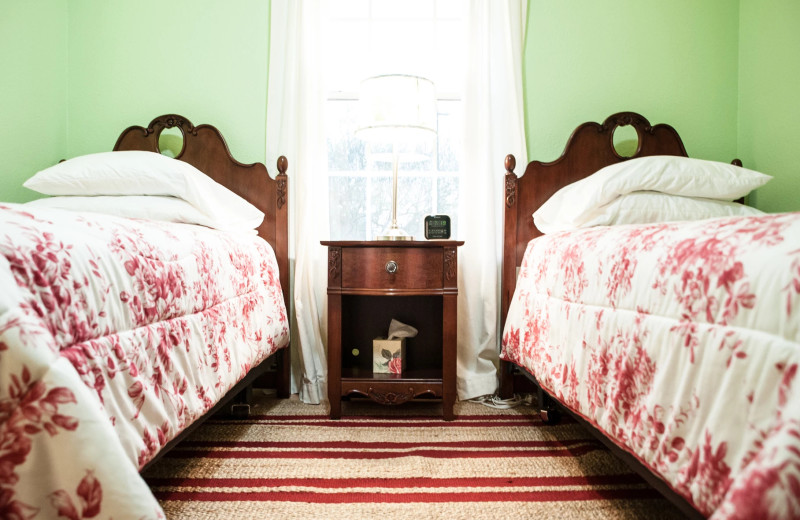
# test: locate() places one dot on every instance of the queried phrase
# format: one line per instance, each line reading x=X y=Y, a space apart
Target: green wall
x=130 y=61
x=769 y=109
x=33 y=91
x=673 y=62
x=724 y=73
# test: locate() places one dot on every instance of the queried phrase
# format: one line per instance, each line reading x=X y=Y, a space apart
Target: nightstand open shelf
x=367 y=317
x=371 y=283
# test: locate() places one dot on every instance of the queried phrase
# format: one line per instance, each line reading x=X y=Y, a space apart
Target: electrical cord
x=494 y=401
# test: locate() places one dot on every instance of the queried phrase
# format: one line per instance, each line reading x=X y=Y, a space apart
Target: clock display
x=437 y=227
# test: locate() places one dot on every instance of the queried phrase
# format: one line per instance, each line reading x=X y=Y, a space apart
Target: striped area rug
x=290 y=461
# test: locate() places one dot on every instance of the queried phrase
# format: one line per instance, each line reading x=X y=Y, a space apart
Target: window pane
x=395 y=9
x=414 y=202
x=347 y=211
x=380 y=200
x=416 y=151
x=348 y=8
x=404 y=47
x=449 y=136
x=346 y=152
x=450 y=9
x=447 y=203
x=345 y=40
x=393 y=37
x=450 y=57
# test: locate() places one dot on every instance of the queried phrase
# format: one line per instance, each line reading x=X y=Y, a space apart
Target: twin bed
x=119 y=335
x=677 y=343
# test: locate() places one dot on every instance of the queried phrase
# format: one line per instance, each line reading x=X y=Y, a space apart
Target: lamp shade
x=395 y=105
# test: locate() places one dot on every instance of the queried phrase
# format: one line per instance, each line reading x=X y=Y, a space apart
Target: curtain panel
x=494 y=126
x=295 y=128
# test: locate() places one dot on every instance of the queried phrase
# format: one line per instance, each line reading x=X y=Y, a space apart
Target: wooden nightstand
x=371 y=283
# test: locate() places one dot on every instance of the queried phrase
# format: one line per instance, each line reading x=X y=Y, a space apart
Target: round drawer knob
x=391 y=267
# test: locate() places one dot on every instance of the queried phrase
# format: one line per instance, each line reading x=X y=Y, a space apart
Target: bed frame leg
x=283 y=373
x=548 y=409
x=506 y=387
x=240 y=407
x=240 y=411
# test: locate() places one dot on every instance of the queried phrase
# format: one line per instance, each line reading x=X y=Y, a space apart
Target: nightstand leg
x=447 y=411
x=449 y=354
x=336 y=407
x=335 y=355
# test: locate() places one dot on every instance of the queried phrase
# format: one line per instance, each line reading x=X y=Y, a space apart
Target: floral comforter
x=115 y=334
x=681 y=342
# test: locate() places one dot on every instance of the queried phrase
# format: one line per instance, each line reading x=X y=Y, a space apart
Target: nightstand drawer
x=391 y=268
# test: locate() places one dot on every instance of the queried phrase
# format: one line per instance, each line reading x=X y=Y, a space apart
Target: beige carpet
x=289 y=461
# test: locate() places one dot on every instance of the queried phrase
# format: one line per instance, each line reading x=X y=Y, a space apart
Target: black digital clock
x=437 y=226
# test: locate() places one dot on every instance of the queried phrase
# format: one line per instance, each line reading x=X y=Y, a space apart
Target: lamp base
x=394 y=233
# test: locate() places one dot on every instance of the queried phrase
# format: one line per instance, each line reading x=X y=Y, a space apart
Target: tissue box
x=388 y=356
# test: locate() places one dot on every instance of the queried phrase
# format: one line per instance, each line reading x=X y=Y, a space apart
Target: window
x=369 y=37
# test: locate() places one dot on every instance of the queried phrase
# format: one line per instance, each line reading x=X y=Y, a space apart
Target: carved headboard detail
x=205 y=149
x=589 y=148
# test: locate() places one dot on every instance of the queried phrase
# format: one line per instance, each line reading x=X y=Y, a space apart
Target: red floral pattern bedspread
x=681 y=342
x=114 y=335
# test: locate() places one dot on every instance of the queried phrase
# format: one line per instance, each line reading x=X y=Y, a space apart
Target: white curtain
x=494 y=126
x=295 y=128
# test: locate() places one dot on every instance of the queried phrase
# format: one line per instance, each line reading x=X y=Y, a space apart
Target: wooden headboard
x=589 y=148
x=205 y=149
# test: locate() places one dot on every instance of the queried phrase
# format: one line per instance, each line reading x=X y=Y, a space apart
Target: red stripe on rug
x=386 y=498
x=462 y=421
x=421 y=482
x=568 y=451
x=385 y=444
x=393 y=424
x=395 y=418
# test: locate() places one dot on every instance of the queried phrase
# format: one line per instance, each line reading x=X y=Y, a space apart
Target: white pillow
x=570 y=206
x=151 y=207
x=146 y=173
x=646 y=207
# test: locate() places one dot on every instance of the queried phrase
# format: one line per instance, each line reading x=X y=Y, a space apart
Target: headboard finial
x=510 y=163
x=283 y=164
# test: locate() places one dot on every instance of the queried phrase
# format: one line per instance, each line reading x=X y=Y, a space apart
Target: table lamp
x=396 y=108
